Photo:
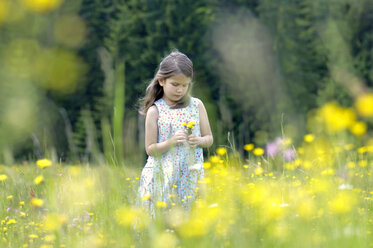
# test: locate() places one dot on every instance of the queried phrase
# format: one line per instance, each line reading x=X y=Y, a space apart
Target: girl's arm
x=151 y=135
x=206 y=138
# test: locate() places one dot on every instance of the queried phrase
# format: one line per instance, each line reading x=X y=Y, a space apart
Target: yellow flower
x=3 y=11
x=161 y=204
x=11 y=221
x=33 y=236
x=9 y=197
x=335 y=117
x=189 y=126
x=146 y=197
x=52 y=222
x=3 y=177
x=358 y=128
x=248 y=147
x=21 y=203
x=43 y=163
x=309 y=138
x=364 y=105
x=38 y=179
x=258 y=151
x=37 y=202
x=258 y=171
x=221 y=151
x=214 y=159
x=342 y=203
x=206 y=165
x=42 y=6
x=132 y=217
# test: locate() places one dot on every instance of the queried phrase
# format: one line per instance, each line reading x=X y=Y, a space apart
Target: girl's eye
x=175 y=84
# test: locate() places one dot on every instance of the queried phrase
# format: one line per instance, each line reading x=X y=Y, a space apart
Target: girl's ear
x=161 y=81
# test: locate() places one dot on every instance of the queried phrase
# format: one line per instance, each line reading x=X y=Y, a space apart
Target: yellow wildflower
x=33 y=236
x=161 y=204
x=364 y=105
x=342 y=203
x=206 y=165
x=258 y=151
x=358 y=128
x=3 y=177
x=146 y=197
x=221 y=151
x=43 y=163
x=214 y=159
x=11 y=221
x=37 y=202
x=130 y=216
x=248 y=147
x=38 y=179
x=52 y=222
x=309 y=138
x=42 y=6
x=258 y=171
x=9 y=197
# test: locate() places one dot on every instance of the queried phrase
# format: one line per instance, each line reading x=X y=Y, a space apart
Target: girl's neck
x=168 y=102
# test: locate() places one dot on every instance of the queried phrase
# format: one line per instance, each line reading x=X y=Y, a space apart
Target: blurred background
x=72 y=71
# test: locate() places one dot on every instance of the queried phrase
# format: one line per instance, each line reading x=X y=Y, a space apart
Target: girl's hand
x=194 y=140
x=179 y=137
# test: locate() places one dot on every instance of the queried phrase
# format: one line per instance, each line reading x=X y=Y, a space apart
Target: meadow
x=318 y=194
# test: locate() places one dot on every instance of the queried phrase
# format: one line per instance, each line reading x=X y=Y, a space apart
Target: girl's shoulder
x=195 y=101
x=152 y=112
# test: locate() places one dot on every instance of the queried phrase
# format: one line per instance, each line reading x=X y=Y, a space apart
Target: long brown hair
x=173 y=64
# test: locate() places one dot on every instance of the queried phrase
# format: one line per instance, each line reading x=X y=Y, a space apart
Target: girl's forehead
x=180 y=78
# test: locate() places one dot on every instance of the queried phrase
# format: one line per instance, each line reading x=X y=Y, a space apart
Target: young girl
x=175 y=156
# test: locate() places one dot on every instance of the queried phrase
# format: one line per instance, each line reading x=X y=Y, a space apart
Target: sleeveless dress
x=171 y=178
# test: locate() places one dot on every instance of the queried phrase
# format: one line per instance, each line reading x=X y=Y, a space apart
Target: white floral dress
x=172 y=178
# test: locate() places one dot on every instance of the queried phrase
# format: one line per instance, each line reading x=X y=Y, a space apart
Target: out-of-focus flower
x=342 y=203
x=3 y=177
x=166 y=240
x=272 y=149
x=37 y=202
x=248 y=147
x=9 y=197
x=336 y=118
x=206 y=165
x=43 y=163
x=38 y=179
x=309 y=138
x=70 y=30
x=258 y=151
x=42 y=6
x=52 y=222
x=358 y=128
x=132 y=217
x=221 y=151
x=289 y=154
x=214 y=159
x=364 y=105
x=3 y=11
x=258 y=171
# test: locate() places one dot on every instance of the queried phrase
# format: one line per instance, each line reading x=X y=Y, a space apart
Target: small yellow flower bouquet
x=189 y=126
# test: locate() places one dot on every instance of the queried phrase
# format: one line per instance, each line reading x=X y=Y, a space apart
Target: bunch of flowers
x=281 y=147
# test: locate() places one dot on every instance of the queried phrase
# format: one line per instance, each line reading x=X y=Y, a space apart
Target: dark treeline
x=260 y=65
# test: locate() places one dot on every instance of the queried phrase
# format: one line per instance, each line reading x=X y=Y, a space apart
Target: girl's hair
x=173 y=64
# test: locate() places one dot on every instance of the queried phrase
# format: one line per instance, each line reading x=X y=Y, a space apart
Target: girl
x=175 y=156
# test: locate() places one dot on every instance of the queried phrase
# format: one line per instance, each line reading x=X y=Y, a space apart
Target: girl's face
x=175 y=87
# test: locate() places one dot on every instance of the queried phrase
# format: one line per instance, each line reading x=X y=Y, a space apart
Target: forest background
x=72 y=72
